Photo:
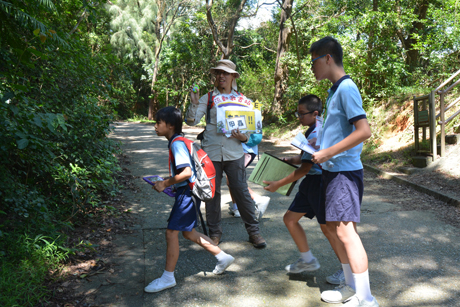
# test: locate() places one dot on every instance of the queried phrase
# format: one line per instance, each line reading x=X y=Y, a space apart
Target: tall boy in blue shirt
x=183 y=215
x=345 y=128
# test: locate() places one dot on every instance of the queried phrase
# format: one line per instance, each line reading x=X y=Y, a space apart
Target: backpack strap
x=209 y=107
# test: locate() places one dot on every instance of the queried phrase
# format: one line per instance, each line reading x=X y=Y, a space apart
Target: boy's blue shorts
x=342 y=194
x=308 y=199
x=183 y=215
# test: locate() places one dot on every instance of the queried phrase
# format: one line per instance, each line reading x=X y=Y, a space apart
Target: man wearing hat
x=226 y=154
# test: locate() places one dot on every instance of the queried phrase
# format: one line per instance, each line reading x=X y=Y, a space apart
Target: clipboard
x=271 y=168
x=151 y=180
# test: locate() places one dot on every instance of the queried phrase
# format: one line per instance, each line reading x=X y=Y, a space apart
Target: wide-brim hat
x=226 y=65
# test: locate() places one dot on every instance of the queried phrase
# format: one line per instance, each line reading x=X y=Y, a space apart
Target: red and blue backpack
x=204 y=186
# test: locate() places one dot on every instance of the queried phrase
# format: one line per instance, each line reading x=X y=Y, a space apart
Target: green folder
x=271 y=168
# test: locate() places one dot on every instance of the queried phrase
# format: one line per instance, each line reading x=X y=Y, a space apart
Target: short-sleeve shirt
x=306 y=157
x=344 y=106
x=182 y=159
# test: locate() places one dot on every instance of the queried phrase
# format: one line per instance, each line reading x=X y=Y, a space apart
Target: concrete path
x=414 y=257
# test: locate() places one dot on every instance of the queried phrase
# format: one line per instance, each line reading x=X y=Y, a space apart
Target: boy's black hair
x=328 y=45
x=312 y=103
x=172 y=116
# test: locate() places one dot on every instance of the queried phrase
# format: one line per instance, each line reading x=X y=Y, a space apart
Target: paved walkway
x=414 y=257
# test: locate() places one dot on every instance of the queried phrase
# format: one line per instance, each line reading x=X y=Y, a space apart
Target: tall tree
x=281 y=70
x=141 y=28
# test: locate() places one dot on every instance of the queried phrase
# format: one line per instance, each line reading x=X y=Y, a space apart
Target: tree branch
x=213 y=26
x=78 y=23
x=257 y=44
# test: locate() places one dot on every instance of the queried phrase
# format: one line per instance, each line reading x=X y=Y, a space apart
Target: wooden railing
x=425 y=116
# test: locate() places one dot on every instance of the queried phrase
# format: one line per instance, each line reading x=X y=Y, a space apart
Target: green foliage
x=57 y=101
x=25 y=263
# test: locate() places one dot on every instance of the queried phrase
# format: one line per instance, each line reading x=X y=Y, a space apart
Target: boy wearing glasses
x=344 y=129
x=307 y=200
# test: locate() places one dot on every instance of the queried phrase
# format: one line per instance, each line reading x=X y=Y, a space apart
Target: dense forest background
x=69 y=68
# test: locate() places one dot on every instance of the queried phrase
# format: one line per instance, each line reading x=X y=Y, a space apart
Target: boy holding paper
x=344 y=130
x=307 y=200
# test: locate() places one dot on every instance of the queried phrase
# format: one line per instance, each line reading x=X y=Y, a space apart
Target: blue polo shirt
x=182 y=159
x=344 y=106
x=306 y=157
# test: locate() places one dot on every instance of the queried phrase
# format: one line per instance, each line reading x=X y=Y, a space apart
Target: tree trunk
x=232 y=22
x=370 y=47
x=409 y=41
x=281 y=70
x=153 y=102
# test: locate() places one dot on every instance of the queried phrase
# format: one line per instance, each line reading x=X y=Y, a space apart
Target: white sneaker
x=337 y=278
x=261 y=203
x=159 y=285
x=221 y=266
x=354 y=301
x=338 y=295
x=300 y=265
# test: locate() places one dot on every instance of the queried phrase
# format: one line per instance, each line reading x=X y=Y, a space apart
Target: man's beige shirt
x=217 y=146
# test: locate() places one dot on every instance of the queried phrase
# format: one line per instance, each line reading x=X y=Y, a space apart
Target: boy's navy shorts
x=308 y=199
x=183 y=215
x=342 y=194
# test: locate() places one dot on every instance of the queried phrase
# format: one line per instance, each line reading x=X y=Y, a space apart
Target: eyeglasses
x=312 y=61
x=300 y=115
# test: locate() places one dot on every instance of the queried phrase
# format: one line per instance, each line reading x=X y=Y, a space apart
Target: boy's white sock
x=363 y=288
x=349 y=280
x=307 y=256
x=168 y=276
x=224 y=260
x=234 y=207
x=221 y=256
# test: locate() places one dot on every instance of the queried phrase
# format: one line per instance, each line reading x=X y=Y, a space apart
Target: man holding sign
x=223 y=146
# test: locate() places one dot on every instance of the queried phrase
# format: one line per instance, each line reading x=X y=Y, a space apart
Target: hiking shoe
x=354 y=301
x=261 y=203
x=215 y=240
x=337 y=278
x=300 y=265
x=221 y=266
x=257 y=241
x=338 y=295
x=159 y=285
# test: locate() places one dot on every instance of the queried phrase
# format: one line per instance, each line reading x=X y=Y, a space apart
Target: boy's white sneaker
x=338 y=295
x=261 y=203
x=300 y=266
x=354 y=301
x=158 y=285
x=337 y=278
x=221 y=266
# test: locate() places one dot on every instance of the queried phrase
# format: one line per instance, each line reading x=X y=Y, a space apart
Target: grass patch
x=26 y=263
x=140 y=118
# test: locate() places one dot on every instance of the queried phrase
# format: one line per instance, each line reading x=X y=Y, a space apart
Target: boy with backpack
x=183 y=217
x=344 y=129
